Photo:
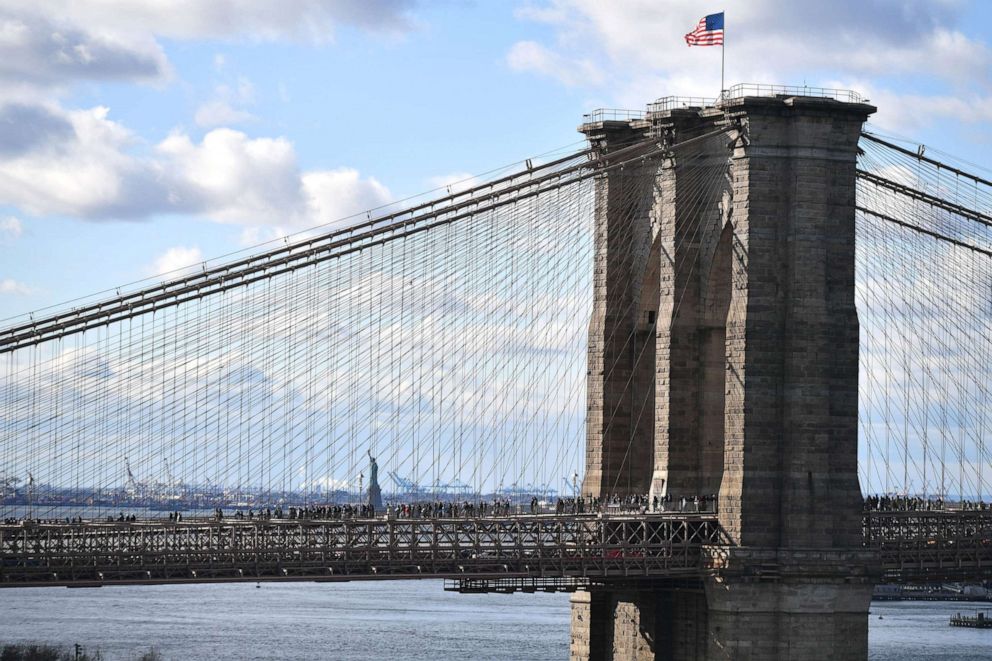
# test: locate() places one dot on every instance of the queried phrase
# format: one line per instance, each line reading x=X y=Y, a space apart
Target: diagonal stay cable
x=297 y=256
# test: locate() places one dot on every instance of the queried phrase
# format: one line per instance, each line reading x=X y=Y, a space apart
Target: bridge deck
x=280 y=549
x=928 y=546
x=511 y=550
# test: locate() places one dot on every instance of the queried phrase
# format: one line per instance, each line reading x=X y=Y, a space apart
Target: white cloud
x=245 y=90
x=91 y=172
x=297 y=20
x=10 y=229
x=176 y=258
x=227 y=106
x=456 y=182
x=233 y=178
x=333 y=195
x=255 y=235
x=219 y=113
x=47 y=47
x=82 y=163
x=326 y=483
x=909 y=112
x=638 y=47
x=38 y=50
x=9 y=286
x=24 y=126
x=531 y=56
x=763 y=35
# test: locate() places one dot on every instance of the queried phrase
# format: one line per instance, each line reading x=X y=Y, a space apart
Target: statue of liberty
x=375 y=493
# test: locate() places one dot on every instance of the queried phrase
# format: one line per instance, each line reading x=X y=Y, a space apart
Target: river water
x=389 y=620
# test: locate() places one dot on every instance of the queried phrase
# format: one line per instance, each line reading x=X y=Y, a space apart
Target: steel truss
x=930 y=546
x=485 y=554
x=599 y=546
x=530 y=584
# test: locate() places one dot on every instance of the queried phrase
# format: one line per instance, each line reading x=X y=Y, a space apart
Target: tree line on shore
x=42 y=652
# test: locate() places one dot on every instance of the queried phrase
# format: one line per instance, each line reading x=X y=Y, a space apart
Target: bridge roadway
x=515 y=552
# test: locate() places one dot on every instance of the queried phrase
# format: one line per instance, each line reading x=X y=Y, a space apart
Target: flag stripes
x=708 y=32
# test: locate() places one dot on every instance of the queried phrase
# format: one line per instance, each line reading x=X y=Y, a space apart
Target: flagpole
x=723 y=55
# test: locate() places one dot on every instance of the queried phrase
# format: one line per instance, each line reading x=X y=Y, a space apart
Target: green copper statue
x=375 y=493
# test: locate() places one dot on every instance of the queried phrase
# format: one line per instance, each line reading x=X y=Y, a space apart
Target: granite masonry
x=723 y=359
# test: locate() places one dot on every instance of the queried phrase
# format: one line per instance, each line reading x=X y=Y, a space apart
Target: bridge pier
x=639 y=625
x=727 y=619
x=788 y=604
x=802 y=619
x=750 y=246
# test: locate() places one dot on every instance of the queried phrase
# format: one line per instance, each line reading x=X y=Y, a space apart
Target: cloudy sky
x=137 y=136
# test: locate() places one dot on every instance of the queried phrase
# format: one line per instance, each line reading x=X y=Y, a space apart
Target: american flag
x=708 y=32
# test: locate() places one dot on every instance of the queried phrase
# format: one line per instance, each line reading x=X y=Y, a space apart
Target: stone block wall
x=620 y=412
x=688 y=211
x=753 y=370
x=790 y=462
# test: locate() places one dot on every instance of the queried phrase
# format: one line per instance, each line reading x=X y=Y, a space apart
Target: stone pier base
x=589 y=626
x=737 y=618
x=614 y=625
x=786 y=621
x=641 y=626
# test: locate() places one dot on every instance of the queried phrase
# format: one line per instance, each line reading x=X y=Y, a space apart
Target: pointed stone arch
x=716 y=296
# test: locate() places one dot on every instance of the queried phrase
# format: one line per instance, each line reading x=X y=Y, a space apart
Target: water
x=396 y=620
x=413 y=620
x=919 y=630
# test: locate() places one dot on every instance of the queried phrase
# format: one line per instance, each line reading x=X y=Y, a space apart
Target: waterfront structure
x=747 y=294
x=722 y=356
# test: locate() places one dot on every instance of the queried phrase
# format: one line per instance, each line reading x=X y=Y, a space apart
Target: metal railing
x=667 y=103
x=931 y=546
x=912 y=547
x=760 y=89
x=611 y=115
x=591 y=545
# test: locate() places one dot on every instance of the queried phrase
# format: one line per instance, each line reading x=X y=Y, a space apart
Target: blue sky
x=137 y=136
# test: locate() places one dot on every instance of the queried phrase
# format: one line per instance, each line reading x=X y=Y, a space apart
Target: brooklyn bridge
x=717 y=374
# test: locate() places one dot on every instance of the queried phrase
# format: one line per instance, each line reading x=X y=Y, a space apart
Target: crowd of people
x=704 y=503
x=335 y=512
x=438 y=509
x=499 y=507
x=314 y=512
x=897 y=503
x=632 y=503
x=496 y=507
x=14 y=521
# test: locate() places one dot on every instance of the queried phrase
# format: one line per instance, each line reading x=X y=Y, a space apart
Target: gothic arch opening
x=713 y=359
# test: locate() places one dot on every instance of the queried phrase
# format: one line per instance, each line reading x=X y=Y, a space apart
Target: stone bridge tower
x=724 y=299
